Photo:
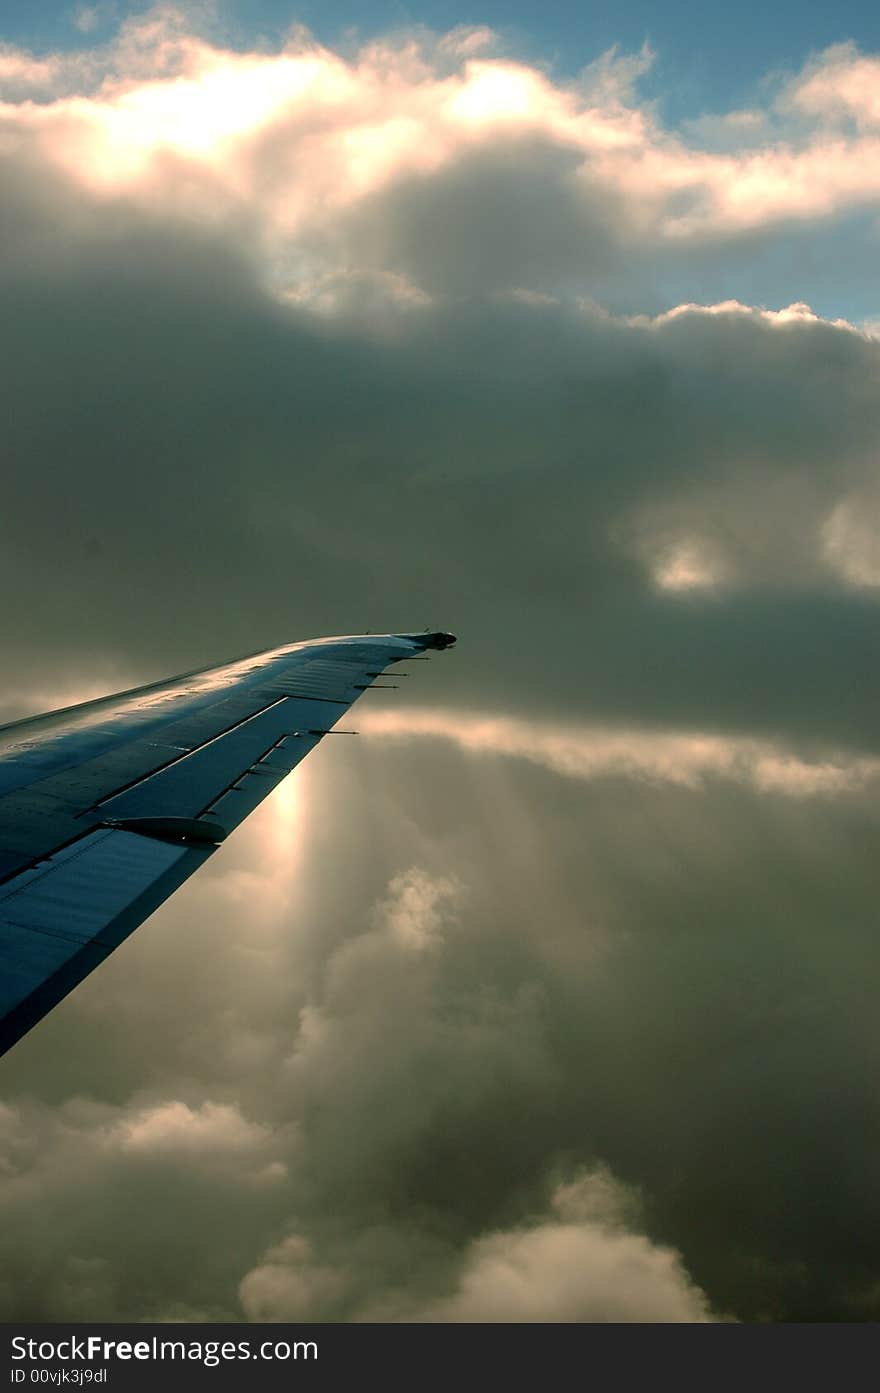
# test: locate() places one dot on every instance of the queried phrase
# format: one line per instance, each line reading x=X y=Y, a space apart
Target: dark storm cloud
x=373 y=1059
x=178 y=440
x=439 y=1015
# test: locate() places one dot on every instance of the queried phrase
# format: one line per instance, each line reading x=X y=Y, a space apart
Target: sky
x=553 y=996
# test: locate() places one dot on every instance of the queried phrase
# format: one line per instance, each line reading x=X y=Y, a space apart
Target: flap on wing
x=60 y=919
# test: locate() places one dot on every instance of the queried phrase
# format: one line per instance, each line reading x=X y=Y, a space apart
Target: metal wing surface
x=108 y=807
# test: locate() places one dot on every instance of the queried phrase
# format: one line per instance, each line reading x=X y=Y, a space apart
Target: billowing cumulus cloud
x=552 y=996
x=580 y=1263
x=373 y=161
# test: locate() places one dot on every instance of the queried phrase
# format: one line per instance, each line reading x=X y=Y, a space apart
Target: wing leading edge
x=108 y=807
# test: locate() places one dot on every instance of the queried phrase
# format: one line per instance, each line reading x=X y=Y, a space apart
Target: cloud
x=288 y=1285
x=580 y=1270
x=303 y=136
x=850 y=539
x=413 y=910
x=99 y=1171
x=299 y=343
x=582 y=1265
x=174 y=1127
x=684 y=759
x=88 y=18
x=841 y=82
x=85 y=1161
x=397 y=1089
x=227 y=425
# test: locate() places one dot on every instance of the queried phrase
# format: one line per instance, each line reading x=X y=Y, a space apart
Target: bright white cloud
x=842 y=82
x=302 y=134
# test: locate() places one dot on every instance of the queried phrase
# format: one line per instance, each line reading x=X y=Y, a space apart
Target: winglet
x=436 y=640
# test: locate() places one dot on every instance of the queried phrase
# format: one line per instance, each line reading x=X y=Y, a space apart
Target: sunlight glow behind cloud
x=344 y=129
x=589 y=752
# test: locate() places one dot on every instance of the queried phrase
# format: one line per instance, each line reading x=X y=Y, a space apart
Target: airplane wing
x=108 y=807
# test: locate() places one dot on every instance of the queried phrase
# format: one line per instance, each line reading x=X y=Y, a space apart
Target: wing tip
x=438 y=640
